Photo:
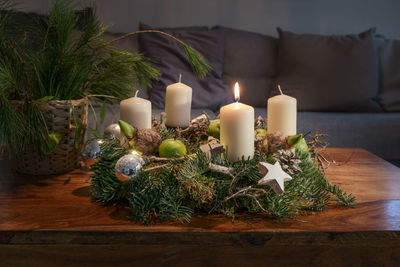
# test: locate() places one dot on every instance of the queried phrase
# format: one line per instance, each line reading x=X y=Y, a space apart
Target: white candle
x=178 y=102
x=237 y=129
x=282 y=114
x=136 y=111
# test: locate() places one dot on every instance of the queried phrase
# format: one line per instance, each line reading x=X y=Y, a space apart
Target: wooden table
x=52 y=221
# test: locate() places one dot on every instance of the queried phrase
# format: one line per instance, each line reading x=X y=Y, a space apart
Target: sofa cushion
x=170 y=58
x=329 y=73
x=390 y=55
x=371 y=131
x=250 y=59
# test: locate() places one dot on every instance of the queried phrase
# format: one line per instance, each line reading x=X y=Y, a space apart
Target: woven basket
x=62 y=116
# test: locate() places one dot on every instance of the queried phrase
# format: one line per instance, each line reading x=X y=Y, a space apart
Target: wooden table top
x=61 y=206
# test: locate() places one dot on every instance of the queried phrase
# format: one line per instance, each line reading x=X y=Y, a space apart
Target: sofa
x=248 y=58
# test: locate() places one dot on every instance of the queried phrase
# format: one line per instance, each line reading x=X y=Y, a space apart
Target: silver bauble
x=92 y=152
x=112 y=131
x=128 y=166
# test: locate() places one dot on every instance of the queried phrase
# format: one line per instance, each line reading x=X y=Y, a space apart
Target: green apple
x=171 y=148
x=294 y=139
x=302 y=145
x=214 y=128
x=260 y=133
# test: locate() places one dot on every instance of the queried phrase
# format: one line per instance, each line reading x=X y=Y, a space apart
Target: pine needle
x=197 y=62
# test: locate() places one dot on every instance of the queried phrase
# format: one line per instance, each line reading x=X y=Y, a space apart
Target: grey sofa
x=247 y=60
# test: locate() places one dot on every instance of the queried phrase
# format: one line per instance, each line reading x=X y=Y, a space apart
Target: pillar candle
x=136 y=111
x=282 y=114
x=237 y=129
x=178 y=102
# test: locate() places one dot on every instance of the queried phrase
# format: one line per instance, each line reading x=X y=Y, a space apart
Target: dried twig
x=221 y=169
x=156 y=167
x=234 y=180
x=244 y=193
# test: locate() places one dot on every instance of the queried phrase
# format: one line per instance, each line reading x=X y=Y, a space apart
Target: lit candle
x=282 y=114
x=178 y=102
x=136 y=111
x=237 y=129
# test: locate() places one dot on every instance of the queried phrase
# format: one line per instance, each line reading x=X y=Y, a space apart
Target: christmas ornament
x=274 y=176
x=92 y=152
x=171 y=148
x=112 y=131
x=146 y=141
x=214 y=128
x=129 y=166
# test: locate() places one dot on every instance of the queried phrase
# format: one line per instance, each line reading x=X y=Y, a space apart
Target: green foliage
x=185 y=186
x=61 y=59
x=106 y=186
x=197 y=62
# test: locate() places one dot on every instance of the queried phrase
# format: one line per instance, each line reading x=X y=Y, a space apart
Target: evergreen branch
x=198 y=64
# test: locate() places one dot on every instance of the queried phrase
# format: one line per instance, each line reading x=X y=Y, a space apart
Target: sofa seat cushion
x=329 y=73
x=375 y=132
x=170 y=58
x=250 y=59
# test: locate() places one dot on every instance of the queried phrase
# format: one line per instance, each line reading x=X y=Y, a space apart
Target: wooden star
x=274 y=176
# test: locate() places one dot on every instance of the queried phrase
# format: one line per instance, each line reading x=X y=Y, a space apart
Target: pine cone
x=273 y=142
x=147 y=141
x=289 y=161
x=260 y=122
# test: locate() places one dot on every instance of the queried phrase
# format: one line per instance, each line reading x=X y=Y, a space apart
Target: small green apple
x=294 y=139
x=171 y=148
x=302 y=145
x=260 y=133
x=214 y=128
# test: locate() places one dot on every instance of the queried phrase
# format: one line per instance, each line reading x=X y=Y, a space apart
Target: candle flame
x=237 y=94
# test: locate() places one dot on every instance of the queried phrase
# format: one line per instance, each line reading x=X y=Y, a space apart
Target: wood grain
x=57 y=210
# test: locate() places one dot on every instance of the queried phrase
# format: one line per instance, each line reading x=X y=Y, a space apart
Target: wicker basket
x=59 y=115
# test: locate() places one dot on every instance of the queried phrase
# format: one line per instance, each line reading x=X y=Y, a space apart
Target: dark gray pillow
x=390 y=55
x=170 y=58
x=250 y=59
x=329 y=73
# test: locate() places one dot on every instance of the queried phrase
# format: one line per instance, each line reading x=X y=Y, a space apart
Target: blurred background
x=263 y=16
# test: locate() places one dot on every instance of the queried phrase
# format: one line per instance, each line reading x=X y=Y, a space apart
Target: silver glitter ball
x=112 y=131
x=128 y=166
x=92 y=152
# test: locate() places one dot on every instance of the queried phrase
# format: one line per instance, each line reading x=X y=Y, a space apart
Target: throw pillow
x=170 y=58
x=329 y=73
x=390 y=54
x=250 y=59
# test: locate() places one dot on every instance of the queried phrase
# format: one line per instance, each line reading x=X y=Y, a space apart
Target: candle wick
x=180 y=77
x=280 y=90
x=137 y=91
